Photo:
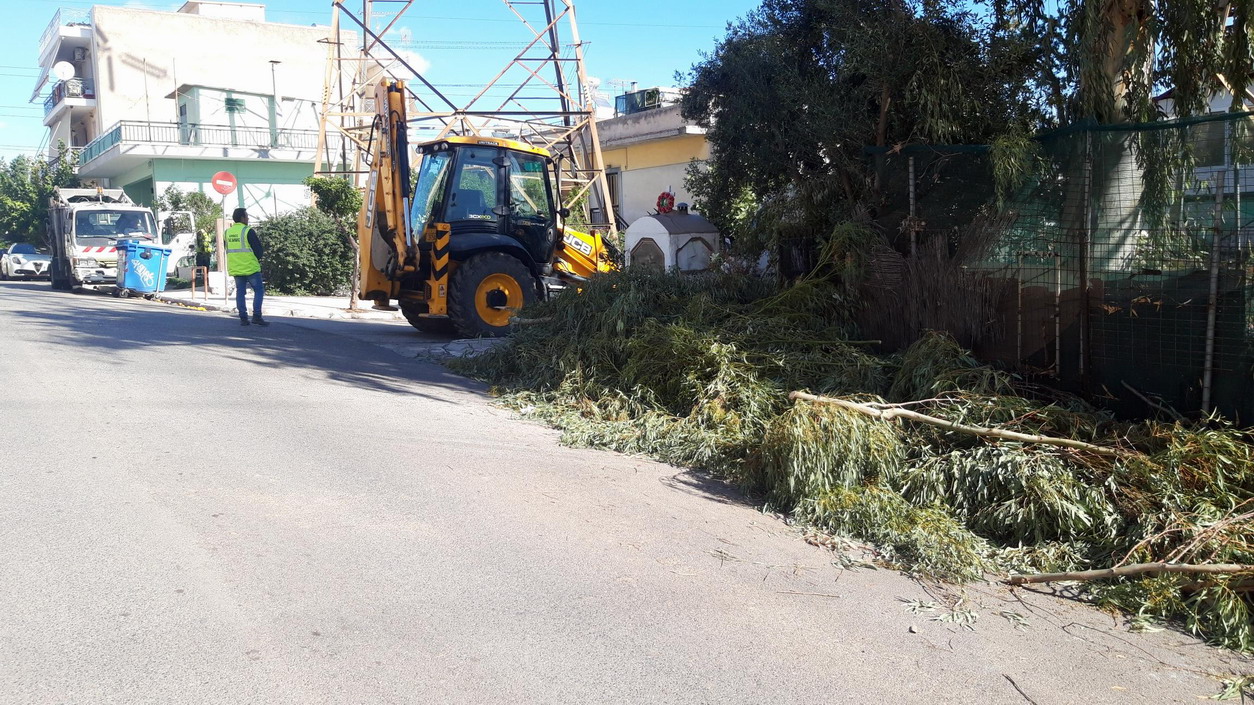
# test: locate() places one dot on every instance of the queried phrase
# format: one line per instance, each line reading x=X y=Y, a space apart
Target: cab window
x=474 y=194
x=529 y=192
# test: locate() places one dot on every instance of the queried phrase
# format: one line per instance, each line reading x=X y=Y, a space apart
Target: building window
x=1209 y=143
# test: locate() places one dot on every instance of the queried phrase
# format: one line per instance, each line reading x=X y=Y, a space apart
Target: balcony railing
x=65 y=17
x=194 y=135
x=73 y=88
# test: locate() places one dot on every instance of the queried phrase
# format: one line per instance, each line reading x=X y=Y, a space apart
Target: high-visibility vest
x=240 y=260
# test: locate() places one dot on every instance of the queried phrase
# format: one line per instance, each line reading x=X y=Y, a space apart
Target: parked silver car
x=23 y=260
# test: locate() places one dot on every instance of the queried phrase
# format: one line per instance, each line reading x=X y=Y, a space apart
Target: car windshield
x=22 y=249
x=104 y=227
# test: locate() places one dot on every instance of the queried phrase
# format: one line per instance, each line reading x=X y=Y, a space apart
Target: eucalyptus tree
x=1107 y=59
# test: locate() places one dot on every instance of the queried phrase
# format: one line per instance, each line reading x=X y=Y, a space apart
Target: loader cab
x=493 y=193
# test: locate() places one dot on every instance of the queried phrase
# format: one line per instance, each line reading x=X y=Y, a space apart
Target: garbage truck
x=84 y=226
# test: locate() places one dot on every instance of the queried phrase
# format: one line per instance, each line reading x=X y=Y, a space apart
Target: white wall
x=641 y=187
x=141 y=56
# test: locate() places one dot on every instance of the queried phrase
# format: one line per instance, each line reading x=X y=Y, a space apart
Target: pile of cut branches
x=948 y=466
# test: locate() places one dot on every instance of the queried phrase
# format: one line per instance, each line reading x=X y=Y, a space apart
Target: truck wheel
x=438 y=326
x=487 y=291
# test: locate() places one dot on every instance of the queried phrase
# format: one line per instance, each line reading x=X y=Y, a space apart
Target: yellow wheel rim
x=498 y=298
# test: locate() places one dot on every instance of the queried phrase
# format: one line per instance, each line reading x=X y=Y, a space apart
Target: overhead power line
x=327 y=14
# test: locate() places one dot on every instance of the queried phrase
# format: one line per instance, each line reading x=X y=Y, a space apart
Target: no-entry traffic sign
x=224 y=182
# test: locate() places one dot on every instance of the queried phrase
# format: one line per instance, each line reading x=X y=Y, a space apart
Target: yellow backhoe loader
x=471 y=235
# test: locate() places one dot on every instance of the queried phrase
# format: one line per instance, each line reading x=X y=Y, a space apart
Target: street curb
x=187 y=304
x=281 y=309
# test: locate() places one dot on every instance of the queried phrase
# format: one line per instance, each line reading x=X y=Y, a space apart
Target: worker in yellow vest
x=243 y=261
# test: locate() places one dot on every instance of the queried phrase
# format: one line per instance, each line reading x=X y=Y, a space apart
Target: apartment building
x=151 y=99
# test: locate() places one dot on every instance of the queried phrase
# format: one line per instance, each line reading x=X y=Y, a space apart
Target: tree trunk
x=881 y=130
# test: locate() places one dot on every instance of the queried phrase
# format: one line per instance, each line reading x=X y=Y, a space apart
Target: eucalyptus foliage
x=696 y=370
x=1108 y=59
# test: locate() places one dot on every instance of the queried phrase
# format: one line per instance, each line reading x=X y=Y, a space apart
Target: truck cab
x=84 y=226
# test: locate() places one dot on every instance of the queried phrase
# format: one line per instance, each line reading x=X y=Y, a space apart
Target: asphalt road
x=195 y=512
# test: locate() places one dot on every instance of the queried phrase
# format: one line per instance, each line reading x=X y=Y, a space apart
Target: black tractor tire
x=486 y=291
x=435 y=326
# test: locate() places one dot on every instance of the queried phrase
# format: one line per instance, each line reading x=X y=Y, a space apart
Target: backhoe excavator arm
x=383 y=228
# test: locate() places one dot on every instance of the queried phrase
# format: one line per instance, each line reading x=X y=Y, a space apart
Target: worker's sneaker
x=257 y=321
x=243 y=321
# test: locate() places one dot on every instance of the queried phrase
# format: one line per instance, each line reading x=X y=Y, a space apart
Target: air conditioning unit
x=74 y=88
x=80 y=53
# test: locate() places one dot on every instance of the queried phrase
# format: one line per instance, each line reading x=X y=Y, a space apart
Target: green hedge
x=305 y=256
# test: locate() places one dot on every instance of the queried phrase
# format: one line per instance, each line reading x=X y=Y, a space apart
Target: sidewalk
x=334 y=307
x=402 y=340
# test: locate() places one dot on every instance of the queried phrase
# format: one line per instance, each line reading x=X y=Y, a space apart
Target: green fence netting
x=1118 y=266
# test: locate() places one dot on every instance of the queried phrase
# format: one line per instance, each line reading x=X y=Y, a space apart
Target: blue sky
x=640 y=40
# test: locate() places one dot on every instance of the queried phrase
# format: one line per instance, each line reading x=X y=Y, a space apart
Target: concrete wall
x=645 y=126
x=640 y=188
x=651 y=151
x=141 y=56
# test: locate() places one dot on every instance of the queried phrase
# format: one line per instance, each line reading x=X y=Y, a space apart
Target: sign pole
x=220 y=227
x=224 y=183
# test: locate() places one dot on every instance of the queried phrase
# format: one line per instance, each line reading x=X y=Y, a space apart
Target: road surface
x=195 y=512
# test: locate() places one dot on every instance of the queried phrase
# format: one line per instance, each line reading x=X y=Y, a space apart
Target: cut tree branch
x=895 y=412
x=1124 y=571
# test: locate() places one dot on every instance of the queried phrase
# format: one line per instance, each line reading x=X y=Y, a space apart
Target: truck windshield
x=429 y=191
x=104 y=227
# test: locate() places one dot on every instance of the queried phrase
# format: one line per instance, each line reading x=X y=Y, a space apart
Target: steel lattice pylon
x=540 y=97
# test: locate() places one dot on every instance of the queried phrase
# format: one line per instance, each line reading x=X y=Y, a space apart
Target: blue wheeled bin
x=141 y=267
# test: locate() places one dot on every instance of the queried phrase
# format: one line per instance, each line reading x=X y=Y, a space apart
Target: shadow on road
x=334 y=349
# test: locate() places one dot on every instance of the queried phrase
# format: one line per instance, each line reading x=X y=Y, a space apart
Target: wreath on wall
x=666 y=202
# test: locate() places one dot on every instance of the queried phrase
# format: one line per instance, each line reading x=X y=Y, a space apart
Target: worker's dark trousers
x=241 y=296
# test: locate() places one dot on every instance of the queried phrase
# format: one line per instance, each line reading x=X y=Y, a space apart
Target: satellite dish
x=63 y=70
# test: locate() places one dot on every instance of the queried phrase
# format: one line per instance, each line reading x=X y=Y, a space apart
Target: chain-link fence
x=1118 y=266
